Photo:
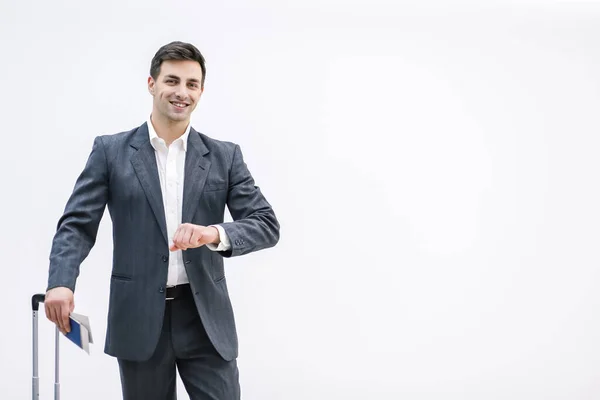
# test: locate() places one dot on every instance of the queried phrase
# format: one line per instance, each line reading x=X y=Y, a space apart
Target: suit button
x=165 y=258
x=161 y=290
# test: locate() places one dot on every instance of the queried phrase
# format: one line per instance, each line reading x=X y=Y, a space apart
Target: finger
x=48 y=312
x=65 y=318
x=52 y=314
x=189 y=237
x=56 y=317
x=195 y=238
x=184 y=237
x=177 y=237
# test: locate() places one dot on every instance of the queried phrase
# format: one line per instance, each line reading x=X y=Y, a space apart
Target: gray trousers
x=184 y=346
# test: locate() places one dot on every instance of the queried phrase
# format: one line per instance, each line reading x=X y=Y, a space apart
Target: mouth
x=179 y=105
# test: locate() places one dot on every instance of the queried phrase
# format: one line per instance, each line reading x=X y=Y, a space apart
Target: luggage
x=36 y=299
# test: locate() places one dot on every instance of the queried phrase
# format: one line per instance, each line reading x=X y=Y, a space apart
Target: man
x=166 y=187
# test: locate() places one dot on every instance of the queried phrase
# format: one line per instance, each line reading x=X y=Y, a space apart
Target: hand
x=59 y=305
x=190 y=236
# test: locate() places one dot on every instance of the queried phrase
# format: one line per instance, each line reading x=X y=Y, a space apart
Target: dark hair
x=176 y=51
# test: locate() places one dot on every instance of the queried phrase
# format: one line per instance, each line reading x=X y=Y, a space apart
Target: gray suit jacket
x=121 y=172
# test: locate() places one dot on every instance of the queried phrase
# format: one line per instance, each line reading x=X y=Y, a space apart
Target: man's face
x=176 y=90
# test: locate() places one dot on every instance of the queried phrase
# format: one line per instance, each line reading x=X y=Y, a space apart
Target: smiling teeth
x=179 y=104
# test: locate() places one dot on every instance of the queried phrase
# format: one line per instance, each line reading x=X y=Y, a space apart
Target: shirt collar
x=154 y=136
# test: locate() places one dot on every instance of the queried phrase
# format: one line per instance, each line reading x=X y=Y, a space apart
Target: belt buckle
x=167 y=291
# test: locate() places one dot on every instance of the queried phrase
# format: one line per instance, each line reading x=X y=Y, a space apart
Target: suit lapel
x=144 y=164
x=196 y=172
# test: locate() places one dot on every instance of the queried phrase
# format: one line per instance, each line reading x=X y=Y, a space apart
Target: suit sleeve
x=78 y=226
x=255 y=226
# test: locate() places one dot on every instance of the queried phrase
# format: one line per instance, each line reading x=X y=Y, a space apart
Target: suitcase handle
x=36 y=299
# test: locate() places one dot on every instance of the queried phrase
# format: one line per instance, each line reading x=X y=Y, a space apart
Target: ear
x=151 y=84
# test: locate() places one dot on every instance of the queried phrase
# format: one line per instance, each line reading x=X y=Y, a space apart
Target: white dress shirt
x=170 y=161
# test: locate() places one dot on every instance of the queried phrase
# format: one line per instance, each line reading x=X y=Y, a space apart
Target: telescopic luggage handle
x=36 y=299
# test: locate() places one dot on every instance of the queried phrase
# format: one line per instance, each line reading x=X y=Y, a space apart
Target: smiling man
x=166 y=187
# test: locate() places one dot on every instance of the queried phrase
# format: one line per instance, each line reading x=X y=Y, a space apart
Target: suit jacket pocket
x=120 y=277
x=213 y=186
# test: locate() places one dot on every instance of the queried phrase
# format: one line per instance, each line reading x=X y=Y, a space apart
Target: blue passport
x=81 y=332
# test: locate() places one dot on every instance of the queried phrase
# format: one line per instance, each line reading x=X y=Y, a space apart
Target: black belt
x=174 y=292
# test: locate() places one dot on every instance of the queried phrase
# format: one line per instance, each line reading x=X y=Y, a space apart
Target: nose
x=181 y=93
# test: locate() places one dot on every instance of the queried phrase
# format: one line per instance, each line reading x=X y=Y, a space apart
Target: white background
x=434 y=167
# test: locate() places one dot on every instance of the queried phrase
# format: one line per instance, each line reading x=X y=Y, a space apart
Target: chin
x=178 y=117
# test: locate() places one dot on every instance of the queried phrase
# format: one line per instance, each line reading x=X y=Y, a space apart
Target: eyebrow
x=176 y=77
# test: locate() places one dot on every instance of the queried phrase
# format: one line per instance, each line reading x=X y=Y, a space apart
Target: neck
x=168 y=130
